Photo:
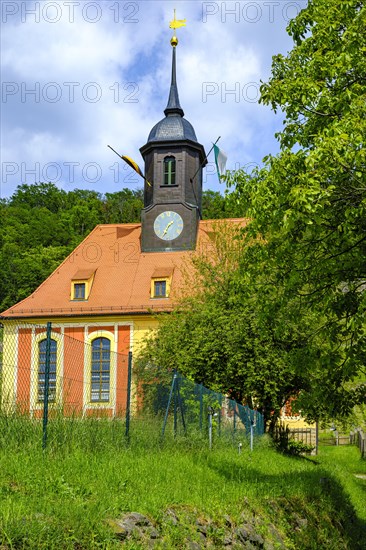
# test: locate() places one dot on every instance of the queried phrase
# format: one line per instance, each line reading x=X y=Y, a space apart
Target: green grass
x=345 y=465
x=63 y=497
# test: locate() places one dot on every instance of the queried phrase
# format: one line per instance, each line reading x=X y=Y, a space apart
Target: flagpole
x=139 y=173
x=114 y=151
x=192 y=178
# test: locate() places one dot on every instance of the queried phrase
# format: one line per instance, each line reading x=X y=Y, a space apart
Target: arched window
x=100 y=369
x=42 y=346
x=169 y=171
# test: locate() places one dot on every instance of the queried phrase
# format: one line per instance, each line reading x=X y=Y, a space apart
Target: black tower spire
x=173 y=107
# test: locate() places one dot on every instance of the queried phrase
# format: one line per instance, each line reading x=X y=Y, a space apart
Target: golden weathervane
x=175 y=24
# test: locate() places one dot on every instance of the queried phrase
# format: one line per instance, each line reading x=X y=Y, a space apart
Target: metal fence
x=53 y=377
x=295 y=440
x=193 y=406
x=305 y=435
x=358 y=438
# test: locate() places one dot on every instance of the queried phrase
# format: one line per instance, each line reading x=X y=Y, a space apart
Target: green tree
x=216 y=337
x=46 y=195
x=124 y=206
x=23 y=272
x=216 y=206
x=307 y=239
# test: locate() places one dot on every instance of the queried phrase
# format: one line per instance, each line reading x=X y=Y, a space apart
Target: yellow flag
x=135 y=167
x=131 y=163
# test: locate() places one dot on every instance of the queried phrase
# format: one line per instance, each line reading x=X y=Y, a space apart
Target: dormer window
x=160 y=289
x=161 y=282
x=79 y=291
x=169 y=171
x=81 y=284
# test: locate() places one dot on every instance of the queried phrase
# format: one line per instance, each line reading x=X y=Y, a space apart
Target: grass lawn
x=349 y=470
x=63 y=497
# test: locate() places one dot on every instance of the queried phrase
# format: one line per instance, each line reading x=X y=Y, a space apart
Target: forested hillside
x=41 y=224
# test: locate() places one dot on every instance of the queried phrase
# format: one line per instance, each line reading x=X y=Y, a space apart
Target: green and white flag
x=220 y=159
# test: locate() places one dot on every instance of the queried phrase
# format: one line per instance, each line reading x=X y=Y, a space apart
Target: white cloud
x=111 y=79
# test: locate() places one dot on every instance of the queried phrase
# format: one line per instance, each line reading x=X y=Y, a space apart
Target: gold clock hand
x=167 y=227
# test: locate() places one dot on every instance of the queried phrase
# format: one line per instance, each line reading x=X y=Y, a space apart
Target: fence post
x=210 y=414
x=219 y=417
x=168 y=405
x=362 y=440
x=253 y=424
x=46 y=384
x=316 y=437
x=128 y=401
x=201 y=406
x=181 y=408
x=175 y=406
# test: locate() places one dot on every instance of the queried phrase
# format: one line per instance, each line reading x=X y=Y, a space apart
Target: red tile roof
x=122 y=275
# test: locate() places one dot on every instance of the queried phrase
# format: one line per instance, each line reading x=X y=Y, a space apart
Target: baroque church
x=105 y=295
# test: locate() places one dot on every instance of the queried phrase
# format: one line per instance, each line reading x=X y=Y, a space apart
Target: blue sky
x=79 y=75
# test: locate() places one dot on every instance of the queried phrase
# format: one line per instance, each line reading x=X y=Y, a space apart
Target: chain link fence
x=71 y=388
x=186 y=406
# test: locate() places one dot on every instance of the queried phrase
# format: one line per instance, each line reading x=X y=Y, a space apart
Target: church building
x=103 y=299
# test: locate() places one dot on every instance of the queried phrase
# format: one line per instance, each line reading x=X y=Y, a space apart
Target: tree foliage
x=217 y=338
x=307 y=238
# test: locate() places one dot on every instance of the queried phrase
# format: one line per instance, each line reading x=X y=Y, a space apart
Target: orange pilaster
x=73 y=387
x=122 y=368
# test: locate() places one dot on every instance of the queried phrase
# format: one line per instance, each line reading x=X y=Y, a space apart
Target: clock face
x=168 y=225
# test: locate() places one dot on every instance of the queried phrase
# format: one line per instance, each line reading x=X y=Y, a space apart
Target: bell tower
x=173 y=170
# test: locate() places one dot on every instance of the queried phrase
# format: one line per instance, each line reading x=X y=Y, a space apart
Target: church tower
x=173 y=170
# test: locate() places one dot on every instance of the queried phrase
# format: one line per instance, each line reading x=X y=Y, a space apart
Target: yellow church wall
x=294 y=423
x=143 y=328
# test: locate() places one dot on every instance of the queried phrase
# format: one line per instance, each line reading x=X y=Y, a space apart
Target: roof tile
x=122 y=277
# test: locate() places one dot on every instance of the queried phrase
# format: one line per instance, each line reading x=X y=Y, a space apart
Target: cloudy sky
x=79 y=75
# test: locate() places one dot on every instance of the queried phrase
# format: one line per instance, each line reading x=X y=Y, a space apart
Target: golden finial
x=175 y=24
